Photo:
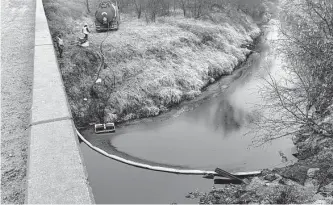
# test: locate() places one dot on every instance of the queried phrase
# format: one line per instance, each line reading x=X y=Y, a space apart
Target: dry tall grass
x=155 y=65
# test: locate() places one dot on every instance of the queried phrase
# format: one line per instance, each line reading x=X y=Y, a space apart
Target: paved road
x=17 y=50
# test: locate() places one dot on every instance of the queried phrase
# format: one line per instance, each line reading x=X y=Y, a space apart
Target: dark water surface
x=210 y=135
x=114 y=182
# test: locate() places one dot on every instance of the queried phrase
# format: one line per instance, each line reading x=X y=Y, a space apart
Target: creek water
x=210 y=133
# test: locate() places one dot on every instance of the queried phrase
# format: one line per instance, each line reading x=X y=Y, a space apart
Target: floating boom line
x=160 y=168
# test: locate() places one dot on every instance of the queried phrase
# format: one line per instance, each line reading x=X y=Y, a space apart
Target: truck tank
x=107 y=16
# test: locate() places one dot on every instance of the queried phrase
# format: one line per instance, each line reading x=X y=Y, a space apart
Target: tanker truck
x=107 y=16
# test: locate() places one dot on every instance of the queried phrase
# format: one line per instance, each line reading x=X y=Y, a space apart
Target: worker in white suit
x=85 y=31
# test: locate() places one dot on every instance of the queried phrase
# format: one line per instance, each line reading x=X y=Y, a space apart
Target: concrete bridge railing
x=56 y=173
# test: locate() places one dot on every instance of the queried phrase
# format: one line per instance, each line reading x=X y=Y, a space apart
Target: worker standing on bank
x=85 y=31
x=60 y=45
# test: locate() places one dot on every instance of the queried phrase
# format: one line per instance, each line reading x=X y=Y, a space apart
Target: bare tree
x=304 y=97
x=164 y=7
x=152 y=10
x=138 y=7
x=184 y=4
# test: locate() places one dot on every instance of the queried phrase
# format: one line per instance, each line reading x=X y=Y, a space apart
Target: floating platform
x=105 y=128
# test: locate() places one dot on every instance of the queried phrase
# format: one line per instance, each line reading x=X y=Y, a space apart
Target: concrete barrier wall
x=56 y=173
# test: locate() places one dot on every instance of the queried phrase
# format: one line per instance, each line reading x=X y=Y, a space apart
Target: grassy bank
x=148 y=68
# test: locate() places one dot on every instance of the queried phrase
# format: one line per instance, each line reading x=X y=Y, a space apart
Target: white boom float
x=160 y=168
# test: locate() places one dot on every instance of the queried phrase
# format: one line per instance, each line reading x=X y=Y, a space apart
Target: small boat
x=226 y=174
x=105 y=128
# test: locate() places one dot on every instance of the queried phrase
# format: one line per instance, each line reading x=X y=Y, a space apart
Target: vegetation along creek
x=191 y=85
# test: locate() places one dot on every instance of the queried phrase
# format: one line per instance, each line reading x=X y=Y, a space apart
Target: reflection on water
x=228 y=118
x=221 y=116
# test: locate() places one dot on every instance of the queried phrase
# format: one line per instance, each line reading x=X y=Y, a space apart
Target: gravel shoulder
x=17 y=46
